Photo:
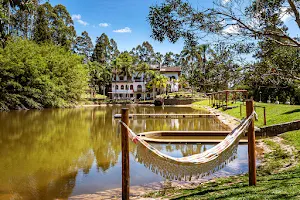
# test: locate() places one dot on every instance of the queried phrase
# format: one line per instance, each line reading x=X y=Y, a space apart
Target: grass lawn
x=275 y=179
x=275 y=113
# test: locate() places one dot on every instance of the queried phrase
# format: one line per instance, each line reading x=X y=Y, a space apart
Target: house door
x=138 y=96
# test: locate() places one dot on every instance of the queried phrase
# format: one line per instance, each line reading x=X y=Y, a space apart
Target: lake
x=57 y=153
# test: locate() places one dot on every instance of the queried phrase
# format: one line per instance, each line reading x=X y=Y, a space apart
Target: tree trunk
x=144 y=87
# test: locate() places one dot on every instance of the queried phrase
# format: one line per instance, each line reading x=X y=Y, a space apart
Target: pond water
x=57 y=153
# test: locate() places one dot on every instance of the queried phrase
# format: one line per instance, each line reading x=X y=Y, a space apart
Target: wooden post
x=265 y=116
x=251 y=145
x=241 y=105
x=226 y=94
x=125 y=155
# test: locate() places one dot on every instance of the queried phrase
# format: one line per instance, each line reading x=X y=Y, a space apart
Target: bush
x=38 y=76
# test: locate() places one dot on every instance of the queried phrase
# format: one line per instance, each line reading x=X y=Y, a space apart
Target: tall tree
x=63 y=27
x=124 y=66
x=6 y=15
x=43 y=23
x=100 y=76
x=169 y=59
x=114 y=49
x=84 y=45
x=158 y=59
x=102 y=51
x=143 y=69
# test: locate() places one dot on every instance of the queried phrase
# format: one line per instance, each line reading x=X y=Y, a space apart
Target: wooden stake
x=226 y=96
x=125 y=155
x=241 y=105
x=251 y=145
x=265 y=116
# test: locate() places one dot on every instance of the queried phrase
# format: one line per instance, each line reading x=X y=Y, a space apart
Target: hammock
x=197 y=165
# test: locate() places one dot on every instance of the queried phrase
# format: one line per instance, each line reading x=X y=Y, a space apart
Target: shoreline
x=137 y=192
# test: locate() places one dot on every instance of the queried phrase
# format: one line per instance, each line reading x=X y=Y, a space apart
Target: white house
x=135 y=87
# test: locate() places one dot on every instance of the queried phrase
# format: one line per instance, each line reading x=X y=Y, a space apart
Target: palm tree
x=161 y=82
x=158 y=81
x=143 y=69
x=124 y=66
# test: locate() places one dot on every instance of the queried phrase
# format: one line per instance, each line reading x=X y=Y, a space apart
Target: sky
x=123 y=20
x=126 y=21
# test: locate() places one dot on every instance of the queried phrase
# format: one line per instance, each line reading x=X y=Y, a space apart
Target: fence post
x=125 y=155
x=251 y=144
x=241 y=105
x=265 y=116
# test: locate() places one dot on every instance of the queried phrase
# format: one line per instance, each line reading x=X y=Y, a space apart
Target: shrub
x=38 y=76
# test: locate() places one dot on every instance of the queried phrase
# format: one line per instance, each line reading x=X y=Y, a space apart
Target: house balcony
x=140 y=90
x=123 y=91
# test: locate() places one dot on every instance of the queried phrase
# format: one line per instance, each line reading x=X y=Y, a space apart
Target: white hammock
x=197 y=165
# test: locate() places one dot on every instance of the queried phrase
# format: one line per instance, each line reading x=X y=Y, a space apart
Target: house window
x=139 y=87
x=122 y=87
x=126 y=87
x=117 y=87
x=131 y=95
x=121 y=78
x=131 y=87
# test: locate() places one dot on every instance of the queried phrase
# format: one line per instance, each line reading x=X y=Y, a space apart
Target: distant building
x=135 y=87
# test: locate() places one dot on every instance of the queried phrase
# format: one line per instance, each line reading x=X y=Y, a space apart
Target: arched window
x=126 y=87
x=122 y=87
x=139 y=87
x=121 y=78
x=117 y=87
x=131 y=87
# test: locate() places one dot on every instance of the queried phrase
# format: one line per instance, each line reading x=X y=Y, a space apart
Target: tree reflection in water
x=42 y=152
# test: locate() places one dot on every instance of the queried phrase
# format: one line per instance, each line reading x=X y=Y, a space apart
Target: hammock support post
x=251 y=145
x=265 y=118
x=125 y=155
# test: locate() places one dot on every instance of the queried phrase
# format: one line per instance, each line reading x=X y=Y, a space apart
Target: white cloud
x=284 y=15
x=232 y=29
x=78 y=19
x=103 y=24
x=225 y=1
x=123 y=30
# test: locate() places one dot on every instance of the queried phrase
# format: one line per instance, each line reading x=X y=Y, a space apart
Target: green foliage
x=54 y=24
x=37 y=76
x=100 y=76
x=84 y=45
x=102 y=51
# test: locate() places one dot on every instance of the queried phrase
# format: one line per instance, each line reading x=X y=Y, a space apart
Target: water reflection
x=56 y=153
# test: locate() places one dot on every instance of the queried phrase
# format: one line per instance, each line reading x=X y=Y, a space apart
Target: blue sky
x=126 y=21
x=118 y=14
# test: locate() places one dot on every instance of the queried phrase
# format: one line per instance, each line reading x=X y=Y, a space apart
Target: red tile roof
x=170 y=69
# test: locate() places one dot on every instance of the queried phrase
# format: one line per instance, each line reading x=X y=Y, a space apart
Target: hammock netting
x=194 y=166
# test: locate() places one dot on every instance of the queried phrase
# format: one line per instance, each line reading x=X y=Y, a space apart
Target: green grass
x=97 y=96
x=293 y=137
x=275 y=113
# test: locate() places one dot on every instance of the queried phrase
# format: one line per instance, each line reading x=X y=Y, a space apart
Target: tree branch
x=296 y=12
x=243 y=25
